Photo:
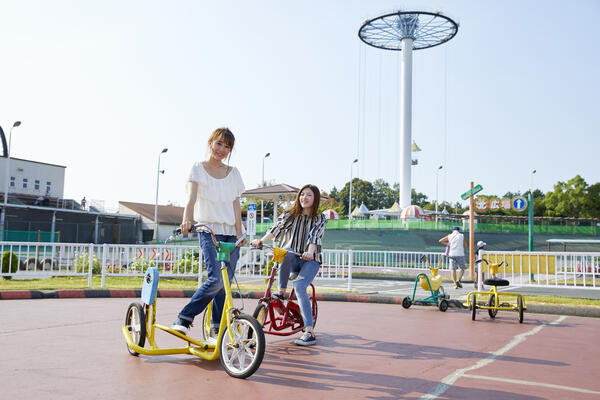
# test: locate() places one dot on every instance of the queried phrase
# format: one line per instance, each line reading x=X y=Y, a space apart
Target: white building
x=32 y=178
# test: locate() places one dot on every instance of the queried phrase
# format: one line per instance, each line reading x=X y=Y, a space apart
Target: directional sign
x=471 y=192
x=519 y=203
x=251 y=220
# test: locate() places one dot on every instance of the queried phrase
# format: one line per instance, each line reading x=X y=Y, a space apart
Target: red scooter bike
x=282 y=317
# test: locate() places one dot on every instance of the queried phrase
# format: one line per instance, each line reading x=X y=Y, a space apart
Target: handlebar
x=205 y=228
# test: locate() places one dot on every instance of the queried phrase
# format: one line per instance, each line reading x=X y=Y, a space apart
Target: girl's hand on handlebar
x=307 y=256
x=257 y=243
x=185 y=226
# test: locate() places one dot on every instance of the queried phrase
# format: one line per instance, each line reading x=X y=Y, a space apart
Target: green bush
x=82 y=263
x=9 y=260
x=140 y=265
x=189 y=259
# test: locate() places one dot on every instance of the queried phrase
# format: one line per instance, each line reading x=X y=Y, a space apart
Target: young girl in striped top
x=300 y=229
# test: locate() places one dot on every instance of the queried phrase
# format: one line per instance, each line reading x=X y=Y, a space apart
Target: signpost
x=469 y=195
x=471 y=192
x=251 y=220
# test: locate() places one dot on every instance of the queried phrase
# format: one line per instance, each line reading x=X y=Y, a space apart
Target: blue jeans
x=308 y=271
x=213 y=285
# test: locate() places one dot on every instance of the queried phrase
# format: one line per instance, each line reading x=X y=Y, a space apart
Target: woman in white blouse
x=214 y=190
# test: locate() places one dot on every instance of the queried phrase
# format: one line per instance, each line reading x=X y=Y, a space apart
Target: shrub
x=9 y=260
x=189 y=260
x=82 y=263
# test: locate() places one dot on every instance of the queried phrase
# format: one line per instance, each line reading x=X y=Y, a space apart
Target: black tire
x=443 y=306
x=406 y=303
x=135 y=321
x=250 y=340
x=473 y=306
x=491 y=303
x=260 y=314
x=315 y=308
x=520 y=308
x=205 y=328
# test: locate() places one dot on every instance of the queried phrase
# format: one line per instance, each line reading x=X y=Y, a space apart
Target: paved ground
x=73 y=349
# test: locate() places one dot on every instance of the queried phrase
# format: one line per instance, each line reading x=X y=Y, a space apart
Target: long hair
x=296 y=208
x=224 y=134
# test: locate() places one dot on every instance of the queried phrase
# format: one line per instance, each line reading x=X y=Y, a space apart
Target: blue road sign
x=519 y=203
x=252 y=207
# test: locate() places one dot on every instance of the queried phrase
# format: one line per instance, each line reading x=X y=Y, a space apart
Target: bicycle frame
x=283 y=317
x=200 y=348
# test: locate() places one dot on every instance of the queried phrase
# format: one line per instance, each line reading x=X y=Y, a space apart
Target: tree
x=569 y=199
x=383 y=195
x=418 y=198
x=361 y=193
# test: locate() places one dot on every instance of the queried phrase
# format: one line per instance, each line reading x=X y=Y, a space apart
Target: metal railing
x=26 y=259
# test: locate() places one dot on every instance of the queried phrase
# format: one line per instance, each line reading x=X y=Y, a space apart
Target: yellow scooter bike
x=494 y=304
x=240 y=342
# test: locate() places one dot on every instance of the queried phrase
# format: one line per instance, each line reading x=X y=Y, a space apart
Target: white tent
x=361 y=211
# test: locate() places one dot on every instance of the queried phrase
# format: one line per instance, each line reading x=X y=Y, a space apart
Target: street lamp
x=436 y=191
x=350 y=195
x=158 y=172
x=531 y=212
x=262 y=182
x=17 y=123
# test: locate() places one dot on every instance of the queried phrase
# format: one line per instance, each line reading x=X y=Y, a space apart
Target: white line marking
x=517 y=381
x=453 y=377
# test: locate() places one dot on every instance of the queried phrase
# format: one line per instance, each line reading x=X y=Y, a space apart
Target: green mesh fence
x=480 y=227
x=30 y=236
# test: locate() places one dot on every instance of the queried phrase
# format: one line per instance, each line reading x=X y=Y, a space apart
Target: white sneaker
x=182 y=326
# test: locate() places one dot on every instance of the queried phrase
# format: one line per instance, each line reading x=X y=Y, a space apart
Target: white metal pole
x=262 y=183
x=17 y=123
x=405 y=122
x=156 y=201
x=350 y=195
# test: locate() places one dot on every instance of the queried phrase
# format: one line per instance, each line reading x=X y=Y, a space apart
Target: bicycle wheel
x=135 y=321
x=242 y=358
x=206 y=324
x=520 y=307
x=443 y=306
x=314 y=306
x=473 y=306
x=260 y=313
x=492 y=303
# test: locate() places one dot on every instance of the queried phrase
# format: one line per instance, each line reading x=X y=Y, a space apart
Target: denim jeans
x=308 y=271
x=213 y=285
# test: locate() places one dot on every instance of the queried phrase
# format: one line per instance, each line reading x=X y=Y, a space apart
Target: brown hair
x=226 y=135
x=296 y=208
x=222 y=133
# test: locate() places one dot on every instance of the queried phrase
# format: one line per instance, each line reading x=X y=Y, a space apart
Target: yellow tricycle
x=494 y=298
x=240 y=342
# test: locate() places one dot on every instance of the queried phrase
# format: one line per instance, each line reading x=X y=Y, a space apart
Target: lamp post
x=17 y=123
x=3 y=214
x=436 y=192
x=531 y=212
x=158 y=172
x=350 y=195
x=262 y=182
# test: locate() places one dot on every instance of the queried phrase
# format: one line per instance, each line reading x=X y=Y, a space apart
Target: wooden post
x=471 y=236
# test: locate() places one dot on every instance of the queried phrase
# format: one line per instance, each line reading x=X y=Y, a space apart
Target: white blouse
x=214 y=202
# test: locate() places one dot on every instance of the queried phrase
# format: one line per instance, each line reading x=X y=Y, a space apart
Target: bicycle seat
x=496 y=282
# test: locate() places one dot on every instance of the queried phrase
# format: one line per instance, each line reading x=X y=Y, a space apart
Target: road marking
x=517 y=381
x=448 y=381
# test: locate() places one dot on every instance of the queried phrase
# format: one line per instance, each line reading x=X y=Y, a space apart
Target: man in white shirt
x=456 y=253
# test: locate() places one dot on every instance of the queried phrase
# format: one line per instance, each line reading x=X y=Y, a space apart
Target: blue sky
x=102 y=87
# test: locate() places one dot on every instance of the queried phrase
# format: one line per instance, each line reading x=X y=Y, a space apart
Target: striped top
x=299 y=232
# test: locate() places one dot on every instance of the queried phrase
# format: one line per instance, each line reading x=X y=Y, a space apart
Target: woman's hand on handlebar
x=185 y=227
x=241 y=240
x=257 y=243
x=308 y=256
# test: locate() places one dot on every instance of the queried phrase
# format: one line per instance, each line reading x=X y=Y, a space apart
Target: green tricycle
x=432 y=284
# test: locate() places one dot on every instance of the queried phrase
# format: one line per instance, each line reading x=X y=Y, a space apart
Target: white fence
x=23 y=259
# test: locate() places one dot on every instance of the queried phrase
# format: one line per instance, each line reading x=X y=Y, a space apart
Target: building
x=169 y=219
x=32 y=178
